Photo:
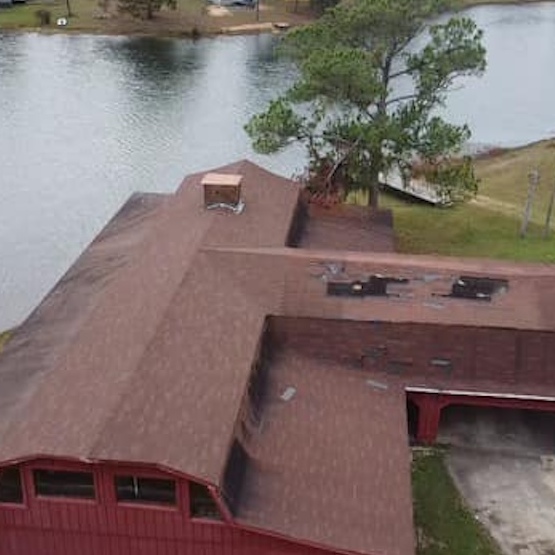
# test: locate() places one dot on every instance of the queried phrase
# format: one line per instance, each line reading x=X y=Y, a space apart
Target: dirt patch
x=218 y=11
x=497 y=205
x=248 y=28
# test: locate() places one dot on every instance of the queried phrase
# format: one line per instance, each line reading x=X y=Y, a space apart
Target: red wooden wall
x=62 y=526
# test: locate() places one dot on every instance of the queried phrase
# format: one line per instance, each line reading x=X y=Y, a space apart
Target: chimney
x=222 y=190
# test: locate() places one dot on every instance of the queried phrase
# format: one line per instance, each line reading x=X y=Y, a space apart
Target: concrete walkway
x=502 y=463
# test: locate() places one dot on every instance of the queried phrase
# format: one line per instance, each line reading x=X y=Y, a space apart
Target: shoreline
x=200 y=29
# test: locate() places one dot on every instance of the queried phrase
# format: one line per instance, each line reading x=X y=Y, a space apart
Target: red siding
x=50 y=526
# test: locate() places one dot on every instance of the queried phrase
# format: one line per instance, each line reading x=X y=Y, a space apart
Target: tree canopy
x=144 y=9
x=372 y=74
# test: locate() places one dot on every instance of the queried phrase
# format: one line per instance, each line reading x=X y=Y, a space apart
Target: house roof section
x=35 y=347
x=331 y=464
x=348 y=228
x=526 y=304
x=144 y=350
x=83 y=402
x=270 y=202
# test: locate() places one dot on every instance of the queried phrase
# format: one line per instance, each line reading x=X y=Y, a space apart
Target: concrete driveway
x=503 y=463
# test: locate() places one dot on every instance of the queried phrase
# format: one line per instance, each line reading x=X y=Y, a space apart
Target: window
x=202 y=503
x=11 y=490
x=132 y=489
x=58 y=483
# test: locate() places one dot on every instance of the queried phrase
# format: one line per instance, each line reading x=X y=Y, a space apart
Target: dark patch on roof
x=328 y=466
x=35 y=346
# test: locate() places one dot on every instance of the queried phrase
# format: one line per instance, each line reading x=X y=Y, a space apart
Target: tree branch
x=400 y=98
x=405 y=71
x=339 y=162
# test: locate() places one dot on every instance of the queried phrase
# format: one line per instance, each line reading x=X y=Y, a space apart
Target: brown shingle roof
x=348 y=228
x=36 y=346
x=144 y=350
x=331 y=465
x=525 y=305
x=163 y=315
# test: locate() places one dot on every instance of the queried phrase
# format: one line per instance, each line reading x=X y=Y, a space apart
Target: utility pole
x=549 y=213
x=533 y=182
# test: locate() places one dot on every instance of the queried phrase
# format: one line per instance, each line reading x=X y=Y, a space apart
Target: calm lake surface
x=87 y=120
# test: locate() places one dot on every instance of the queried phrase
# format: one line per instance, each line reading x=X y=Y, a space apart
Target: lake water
x=87 y=120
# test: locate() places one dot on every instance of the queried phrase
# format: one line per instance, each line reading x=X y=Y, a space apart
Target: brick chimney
x=222 y=188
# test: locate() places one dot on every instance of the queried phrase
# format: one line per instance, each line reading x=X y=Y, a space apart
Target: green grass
x=24 y=15
x=489 y=225
x=188 y=15
x=504 y=178
x=4 y=336
x=467 y=230
x=443 y=524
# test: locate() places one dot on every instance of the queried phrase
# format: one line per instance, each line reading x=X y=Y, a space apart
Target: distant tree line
x=144 y=9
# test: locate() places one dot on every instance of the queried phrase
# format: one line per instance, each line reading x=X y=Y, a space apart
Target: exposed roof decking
x=332 y=464
x=304 y=275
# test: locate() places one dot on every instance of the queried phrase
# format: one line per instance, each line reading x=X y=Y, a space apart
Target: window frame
x=123 y=471
x=213 y=520
x=23 y=504
x=63 y=466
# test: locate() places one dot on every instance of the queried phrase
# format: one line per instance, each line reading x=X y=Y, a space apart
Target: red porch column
x=429 y=412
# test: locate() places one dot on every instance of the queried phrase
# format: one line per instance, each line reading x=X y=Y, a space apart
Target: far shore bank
x=192 y=18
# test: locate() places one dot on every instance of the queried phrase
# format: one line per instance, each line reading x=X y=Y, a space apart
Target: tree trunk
x=374 y=197
x=374 y=182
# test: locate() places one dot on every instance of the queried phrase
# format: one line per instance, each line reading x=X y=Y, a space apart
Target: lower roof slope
x=330 y=465
x=34 y=348
x=527 y=303
x=348 y=228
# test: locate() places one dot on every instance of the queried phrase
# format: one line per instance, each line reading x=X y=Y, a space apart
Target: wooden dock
x=417 y=189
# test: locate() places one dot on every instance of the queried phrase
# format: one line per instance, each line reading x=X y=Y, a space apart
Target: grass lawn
x=468 y=230
x=24 y=15
x=505 y=178
x=444 y=526
x=188 y=15
x=488 y=226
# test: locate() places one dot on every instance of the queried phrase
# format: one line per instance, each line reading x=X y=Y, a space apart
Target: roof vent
x=223 y=190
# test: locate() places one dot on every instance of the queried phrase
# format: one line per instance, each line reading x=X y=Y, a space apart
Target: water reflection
x=157 y=65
